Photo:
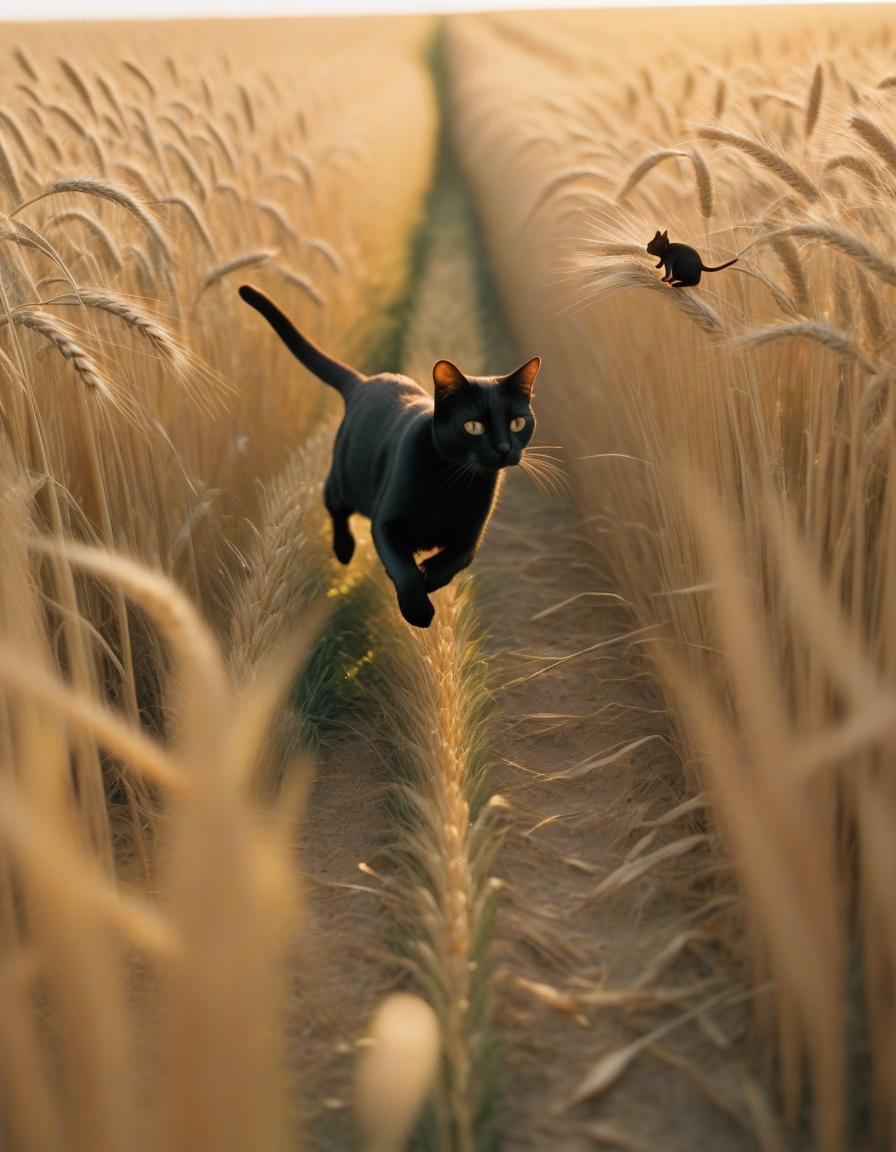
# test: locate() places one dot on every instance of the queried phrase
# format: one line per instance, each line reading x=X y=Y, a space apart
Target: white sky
x=160 y=9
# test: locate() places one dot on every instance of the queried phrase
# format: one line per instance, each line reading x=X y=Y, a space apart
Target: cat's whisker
x=556 y=460
x=548 y=464
x=540 y=482
x=549 y=469
x=548 y=478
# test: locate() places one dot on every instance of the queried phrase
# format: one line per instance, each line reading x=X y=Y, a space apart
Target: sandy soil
x=585 y=973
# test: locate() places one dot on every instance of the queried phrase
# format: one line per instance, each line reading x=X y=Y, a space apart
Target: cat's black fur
x=682 y=263
x=404 y=459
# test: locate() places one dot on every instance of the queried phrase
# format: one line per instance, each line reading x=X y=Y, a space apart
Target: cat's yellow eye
x=518 y=423
x=474 y=427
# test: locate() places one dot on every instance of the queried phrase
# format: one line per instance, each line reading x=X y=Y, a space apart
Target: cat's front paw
x=416 y=607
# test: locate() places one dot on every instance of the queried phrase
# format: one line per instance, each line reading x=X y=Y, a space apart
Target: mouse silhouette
x=682 y=263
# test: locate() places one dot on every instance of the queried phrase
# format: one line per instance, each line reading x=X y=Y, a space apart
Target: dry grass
x=733 y=449
x=442 y=896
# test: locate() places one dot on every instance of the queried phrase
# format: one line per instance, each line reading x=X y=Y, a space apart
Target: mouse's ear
x=447 y=378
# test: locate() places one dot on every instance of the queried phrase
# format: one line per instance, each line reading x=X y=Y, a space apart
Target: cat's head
x=486 y=420
x=659 y=243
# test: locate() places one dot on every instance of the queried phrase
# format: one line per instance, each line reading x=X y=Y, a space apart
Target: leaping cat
x=425 y=470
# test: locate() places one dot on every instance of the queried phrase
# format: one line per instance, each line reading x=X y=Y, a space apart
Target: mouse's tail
x=718 y=267
x=333 y=372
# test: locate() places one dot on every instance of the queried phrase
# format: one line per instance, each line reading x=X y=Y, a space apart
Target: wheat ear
x=770 y=159
x=876 y=262
x=246 y=260
x=62 y=340
x=813 y=106
x=814 y=330
x=876 y=139
x=115 y=194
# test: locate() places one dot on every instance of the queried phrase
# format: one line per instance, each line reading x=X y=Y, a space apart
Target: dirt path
x=584 y=974
x=607 y=904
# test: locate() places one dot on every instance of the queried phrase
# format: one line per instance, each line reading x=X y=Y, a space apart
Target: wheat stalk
x=118 y=737
x=58 y=335
x=788 y=253
x=875 y=261
x=70 y=119
x=113 y=193
x=815 y=330
x=288 y=561
x=195 y=217
x=194 y=173
x=96 y=229
x=25 y=63
x=77 y=82
x=720 y=97
x=854 y=163
x=770 y=159
x=245 y=260
x=15 y=130
x=701 y=173
x=562 y=180
x=162 y=341
x=8 y=174
x=813 y=105
x=876 y=139
x=625 y=277
x=328 y=251
x=135 y=70
x=105 y=86
x=223 y=143
x=279 y=217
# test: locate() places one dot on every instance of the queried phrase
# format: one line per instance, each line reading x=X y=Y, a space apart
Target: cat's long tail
x=333 y=372
x=718 y=267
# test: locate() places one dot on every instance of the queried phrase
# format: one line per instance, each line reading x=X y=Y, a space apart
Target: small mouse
x=682 y=263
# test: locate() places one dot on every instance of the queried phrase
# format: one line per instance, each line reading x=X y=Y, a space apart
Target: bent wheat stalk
x=770 y=159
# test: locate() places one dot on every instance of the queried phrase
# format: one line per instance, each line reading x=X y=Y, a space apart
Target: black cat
x=425 y=471
x=683 y=264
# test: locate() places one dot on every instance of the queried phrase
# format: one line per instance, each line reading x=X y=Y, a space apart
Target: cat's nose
x=503 y=448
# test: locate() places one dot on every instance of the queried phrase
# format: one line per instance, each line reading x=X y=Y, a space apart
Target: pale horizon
x=53 y=10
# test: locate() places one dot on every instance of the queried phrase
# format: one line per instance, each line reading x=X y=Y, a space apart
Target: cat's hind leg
x=343 y=541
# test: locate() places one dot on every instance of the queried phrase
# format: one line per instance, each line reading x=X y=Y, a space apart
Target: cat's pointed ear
x=447 y=378
x=523 y=380
x=665 y=234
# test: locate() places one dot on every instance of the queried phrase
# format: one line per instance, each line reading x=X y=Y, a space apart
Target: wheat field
x=605 y=858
